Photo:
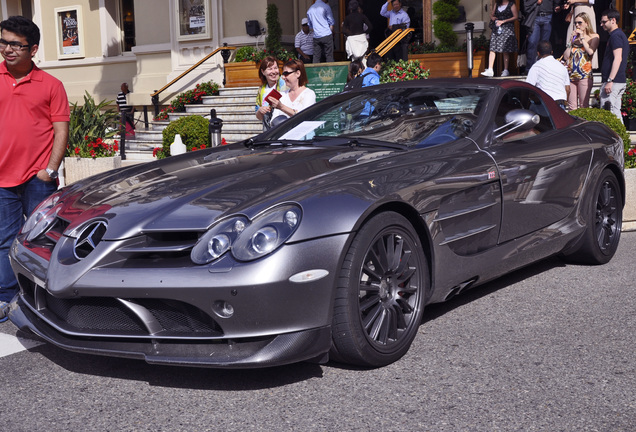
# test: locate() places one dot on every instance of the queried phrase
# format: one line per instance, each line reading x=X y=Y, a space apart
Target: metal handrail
x=393 y=39
x=225 y=53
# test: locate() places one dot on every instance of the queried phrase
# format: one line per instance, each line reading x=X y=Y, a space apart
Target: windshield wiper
x=358 y=142
x=251 y=142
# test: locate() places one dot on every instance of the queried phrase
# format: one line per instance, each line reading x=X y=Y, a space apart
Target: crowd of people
x=569 y=78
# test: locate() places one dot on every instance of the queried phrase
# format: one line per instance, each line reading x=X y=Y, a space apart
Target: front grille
x=94 y=315
x=109 y=317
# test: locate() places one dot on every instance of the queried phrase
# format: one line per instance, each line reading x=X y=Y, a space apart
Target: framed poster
x=69 y=31
x=194 y=19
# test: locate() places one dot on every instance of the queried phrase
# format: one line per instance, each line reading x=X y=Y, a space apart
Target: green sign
x=327 y=79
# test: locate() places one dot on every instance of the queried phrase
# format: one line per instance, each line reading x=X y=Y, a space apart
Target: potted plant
x=91 y=145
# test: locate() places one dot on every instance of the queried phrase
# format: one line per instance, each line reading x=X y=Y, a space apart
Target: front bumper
x=171 y=315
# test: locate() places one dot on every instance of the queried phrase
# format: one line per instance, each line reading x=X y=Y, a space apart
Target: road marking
x=11 y=344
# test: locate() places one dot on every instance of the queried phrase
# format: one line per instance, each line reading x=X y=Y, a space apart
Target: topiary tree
x=194 y=134
x=274 y=31
x=446 y=12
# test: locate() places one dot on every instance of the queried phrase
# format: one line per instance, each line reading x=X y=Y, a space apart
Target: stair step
x=225 y=100
x=251 y=91
x=221 y=109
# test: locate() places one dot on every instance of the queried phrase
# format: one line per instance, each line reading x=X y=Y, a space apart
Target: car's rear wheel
x=380 y=294
x=603 y=232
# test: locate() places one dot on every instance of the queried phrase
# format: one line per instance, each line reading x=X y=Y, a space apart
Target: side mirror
x=278 y=120
x=518 y=120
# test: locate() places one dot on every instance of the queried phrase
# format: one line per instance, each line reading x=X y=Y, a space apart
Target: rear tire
x=600 y=240
x=380 y=293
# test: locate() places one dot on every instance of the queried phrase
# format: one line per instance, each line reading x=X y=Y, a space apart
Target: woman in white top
x=298 y=97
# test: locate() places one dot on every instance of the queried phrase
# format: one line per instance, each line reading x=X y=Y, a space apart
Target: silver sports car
x=325 y=237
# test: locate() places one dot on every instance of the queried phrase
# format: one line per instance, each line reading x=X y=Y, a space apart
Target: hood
x=190 y=191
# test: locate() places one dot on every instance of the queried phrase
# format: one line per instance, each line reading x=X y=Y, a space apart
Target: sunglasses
x=286 y=73
x=578 y=22
x=603 y=22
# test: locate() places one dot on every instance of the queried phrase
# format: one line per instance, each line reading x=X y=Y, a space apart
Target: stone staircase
x=235 y=106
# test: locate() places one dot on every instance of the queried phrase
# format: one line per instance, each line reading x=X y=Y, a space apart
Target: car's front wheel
x=380 y=294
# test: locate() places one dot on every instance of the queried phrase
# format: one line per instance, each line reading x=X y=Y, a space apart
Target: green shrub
x=245 y=53
x=610 y=120
x=194 y=134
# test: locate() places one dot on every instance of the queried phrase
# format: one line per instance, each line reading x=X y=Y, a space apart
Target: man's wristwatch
x=610 y=80
x=52 y=173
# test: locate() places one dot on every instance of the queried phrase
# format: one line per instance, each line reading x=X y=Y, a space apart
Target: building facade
x=95 y=45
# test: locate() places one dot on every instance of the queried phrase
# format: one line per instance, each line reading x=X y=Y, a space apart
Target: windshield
x=404 y=115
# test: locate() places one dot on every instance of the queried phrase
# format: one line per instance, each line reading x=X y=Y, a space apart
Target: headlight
x=247 y=240
x=41 y=218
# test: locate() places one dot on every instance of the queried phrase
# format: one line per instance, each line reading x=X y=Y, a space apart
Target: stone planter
x=451 y=65
x=629 y=211
x=76 y=168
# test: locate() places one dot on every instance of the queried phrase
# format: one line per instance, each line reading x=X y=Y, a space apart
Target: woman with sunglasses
x=576 y=7
x=298 y=97
x=578 y=55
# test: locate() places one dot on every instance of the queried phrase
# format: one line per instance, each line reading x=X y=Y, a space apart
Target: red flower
x=77 y=150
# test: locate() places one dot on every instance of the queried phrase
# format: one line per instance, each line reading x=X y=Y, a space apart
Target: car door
x=541 y=170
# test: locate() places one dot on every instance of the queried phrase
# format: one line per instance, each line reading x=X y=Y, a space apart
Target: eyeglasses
x=603 y=22
x=286 y=73
x=15 y=45
x=578 y=22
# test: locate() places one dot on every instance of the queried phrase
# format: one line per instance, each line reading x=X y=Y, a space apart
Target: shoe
x=505 y=73
x=4 y=311
x=488 y=73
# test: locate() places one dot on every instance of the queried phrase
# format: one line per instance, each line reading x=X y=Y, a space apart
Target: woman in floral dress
x=502 y=39
x=578 y=56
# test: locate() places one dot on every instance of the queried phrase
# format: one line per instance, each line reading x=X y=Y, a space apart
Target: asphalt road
x=548 y=348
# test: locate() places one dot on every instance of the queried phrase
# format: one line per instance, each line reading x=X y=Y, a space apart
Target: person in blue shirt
x=398 y=19
x=371 y=75
x=321 y=20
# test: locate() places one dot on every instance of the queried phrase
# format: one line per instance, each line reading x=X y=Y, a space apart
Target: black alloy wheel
x=380 y=294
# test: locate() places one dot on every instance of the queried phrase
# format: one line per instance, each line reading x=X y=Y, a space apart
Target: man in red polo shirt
x=34 y=116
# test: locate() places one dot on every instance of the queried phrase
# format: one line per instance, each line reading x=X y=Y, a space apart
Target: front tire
x=380 y=293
